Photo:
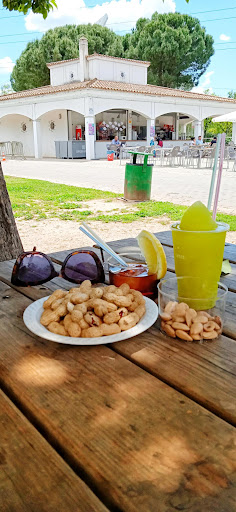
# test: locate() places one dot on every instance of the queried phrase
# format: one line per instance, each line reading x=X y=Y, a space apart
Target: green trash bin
x=138 y=178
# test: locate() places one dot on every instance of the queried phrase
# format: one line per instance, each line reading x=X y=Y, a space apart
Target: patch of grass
x=36 y=199
x=75 y=215
x=157 y=209
x=39 y=199
x=229 y=219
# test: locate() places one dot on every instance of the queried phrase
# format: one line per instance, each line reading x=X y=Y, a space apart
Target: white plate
x=33 y=313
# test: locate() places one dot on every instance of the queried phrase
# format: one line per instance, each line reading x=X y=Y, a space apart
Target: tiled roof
x=50 y=64
x=106 y=85
x=94 y=55
x=154 y=90
x=46 y=89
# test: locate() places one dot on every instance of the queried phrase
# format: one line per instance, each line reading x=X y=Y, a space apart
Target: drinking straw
x=214 y=172
x=99 y=239
x=222 y=150
x=105 y=247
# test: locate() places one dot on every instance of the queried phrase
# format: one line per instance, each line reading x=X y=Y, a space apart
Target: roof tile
x=151 y=90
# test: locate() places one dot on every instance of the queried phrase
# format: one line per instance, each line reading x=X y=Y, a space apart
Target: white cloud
x=122 y=14
x=6 y=65
x=205 y=84
x=223 y=37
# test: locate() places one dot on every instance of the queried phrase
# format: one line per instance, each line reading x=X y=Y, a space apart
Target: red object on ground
x=110 y=157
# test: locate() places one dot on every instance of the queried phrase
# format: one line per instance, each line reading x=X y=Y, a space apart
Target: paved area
x=177 y=185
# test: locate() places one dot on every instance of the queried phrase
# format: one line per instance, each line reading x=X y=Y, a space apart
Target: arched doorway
x=59 y=125
x=18 y=128
x=174 y=126
x=128 y=125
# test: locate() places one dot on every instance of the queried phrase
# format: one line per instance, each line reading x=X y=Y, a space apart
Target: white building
x=102 y=96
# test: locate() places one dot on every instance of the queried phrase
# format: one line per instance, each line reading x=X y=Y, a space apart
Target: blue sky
x=16 y=30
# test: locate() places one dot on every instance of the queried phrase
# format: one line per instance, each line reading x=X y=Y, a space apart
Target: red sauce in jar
x=136 y=276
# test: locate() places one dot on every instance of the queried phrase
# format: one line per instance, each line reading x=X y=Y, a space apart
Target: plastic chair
x=175 y=155
x=232 y=156
x=194 y=156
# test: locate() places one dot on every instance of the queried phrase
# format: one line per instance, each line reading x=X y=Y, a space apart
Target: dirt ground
x=56 y=235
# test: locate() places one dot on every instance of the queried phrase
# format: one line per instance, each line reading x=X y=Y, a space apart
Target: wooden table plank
x=205 y=373
x=34 y=478
x=144 y=446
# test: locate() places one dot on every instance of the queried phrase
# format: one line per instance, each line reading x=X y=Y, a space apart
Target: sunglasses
x=34 y=268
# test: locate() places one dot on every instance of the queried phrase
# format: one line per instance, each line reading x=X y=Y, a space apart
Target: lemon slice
x=153 y=253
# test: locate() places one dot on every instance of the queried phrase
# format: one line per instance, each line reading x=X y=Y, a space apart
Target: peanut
x=193 y=312
x=196 y=337
x=196 y=328
x=180 y=309
x=183 y=335
x=203 y=319
x=165 y=316
x=189 y=318
x=181 y=326
x=211 y=335
x=170 y=306
x=217 y=319
x=210 y=326
x=205 y=314
x=178 y=318
x=169 y=330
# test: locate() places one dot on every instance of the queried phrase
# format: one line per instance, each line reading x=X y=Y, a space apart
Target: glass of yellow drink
x=199 y=254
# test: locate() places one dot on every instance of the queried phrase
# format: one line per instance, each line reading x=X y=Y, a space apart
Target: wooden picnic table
x=143 y=425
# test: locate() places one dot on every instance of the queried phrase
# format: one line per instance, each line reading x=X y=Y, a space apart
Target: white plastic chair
x=175 y=156
x=232 y=156
x=194 y=156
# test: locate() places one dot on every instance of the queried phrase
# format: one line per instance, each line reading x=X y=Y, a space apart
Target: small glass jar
x=136 y=275
x=189 y=318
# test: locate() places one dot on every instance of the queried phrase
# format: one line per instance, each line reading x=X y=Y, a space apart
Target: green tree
x=211 y=129
x=5 y=89
x=61 y=43
x=232 y=94
x=38 y=6
x=178 y=48
x=208 y=91
x=176 y=45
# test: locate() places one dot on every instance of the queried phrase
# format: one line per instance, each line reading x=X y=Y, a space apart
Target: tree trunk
x=10 y=242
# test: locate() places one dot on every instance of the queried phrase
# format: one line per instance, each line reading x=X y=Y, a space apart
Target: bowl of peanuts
x=91 y=315
x=185 y=318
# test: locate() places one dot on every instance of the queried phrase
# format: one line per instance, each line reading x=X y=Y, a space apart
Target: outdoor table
x=143 y=425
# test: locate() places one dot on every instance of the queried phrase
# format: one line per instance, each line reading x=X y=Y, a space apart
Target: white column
x=184 y=126
x=130 y=124
x=197 y=129
x=177 y=126
x=90 y=128
x=69 y=127
x=37 y=139
x=150 y=130
x=234 y=132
